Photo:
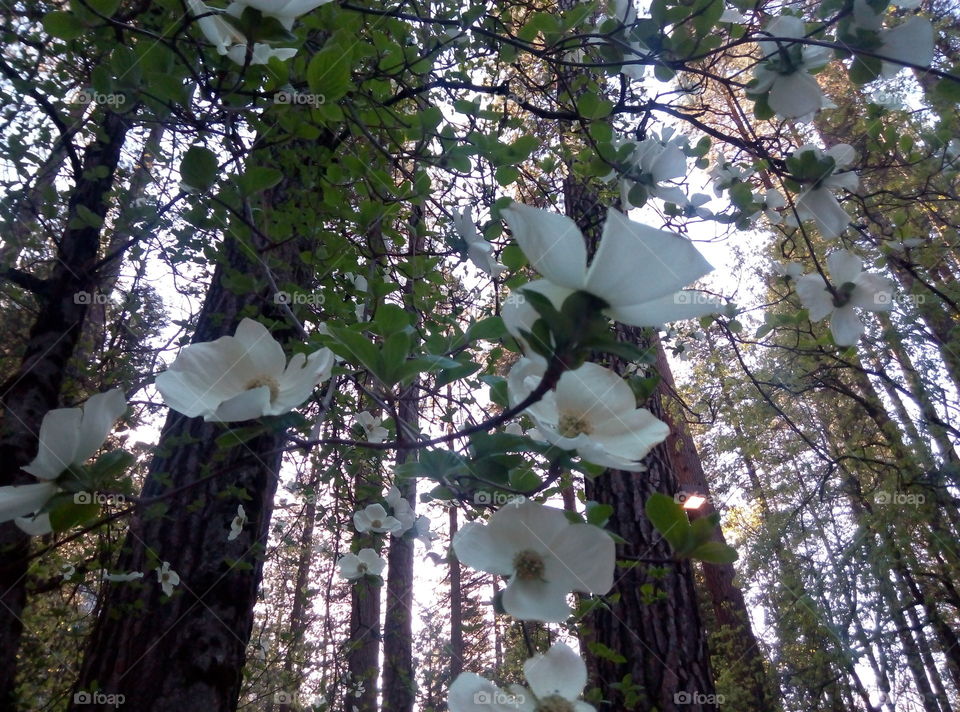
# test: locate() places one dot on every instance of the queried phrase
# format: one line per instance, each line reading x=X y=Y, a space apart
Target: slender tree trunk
x=34 y=388
x=456 y=606
x=186 y=653
x=399 y=681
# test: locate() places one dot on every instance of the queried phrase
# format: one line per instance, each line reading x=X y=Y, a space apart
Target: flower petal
x=910 y=42
x=35 y=526
x=301 y=376
x=100 y=413
x=536 y=601
x=820 y=206
x=846 y=326
x=59 y=436
x=552 y=243
x=594 y=393
x=685 y=304
x=796 y=95
x=814 y=296
x=263 y=353
x=873 y=292
x=630 y=435
x=589 y=555
x=484 y=548
x=559 y=671
x=636 y=263
x=517 y=312
x=245 y=406
x=844 y=266
x=21 y=500
x=472 y=693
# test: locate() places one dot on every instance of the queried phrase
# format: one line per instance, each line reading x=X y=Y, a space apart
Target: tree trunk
x=186 y=653
x=656 y=624
x=729 y=606
x=34 y=388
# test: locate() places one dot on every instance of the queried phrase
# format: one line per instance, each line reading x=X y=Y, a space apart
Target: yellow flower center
x=268 y=381
x=570 y=426
x=362 y=568
x=376 y=524
x=528 y=565
x=554 y=703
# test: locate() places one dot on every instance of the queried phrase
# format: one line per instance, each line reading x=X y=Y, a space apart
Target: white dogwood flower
x=286 y=11
x=855 y=290
x=817 y=202
x=374 y=432
x=365 y=562
x=637 y=269
x=241 y=377
x=910 y=42
x=593 y=411
x=237 y=523
x=784 y=73
x=374 y=518
x=400 y=508
x=543 y=553
x=168 y=578
x=479 y=250
x=556 y=680
x=229 y=40
x=68 y=437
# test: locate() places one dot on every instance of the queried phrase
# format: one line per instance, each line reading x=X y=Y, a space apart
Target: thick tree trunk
x=729 y=606
x=655 y=625
x=186 y=653
x=456 y=607
x=34 y=388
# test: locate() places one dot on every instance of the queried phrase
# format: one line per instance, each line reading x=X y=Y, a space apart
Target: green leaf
x=355 y=347
x=864 y=70
x=257 y=179
x=668 y=518
x=598 y=514
x=506 y=175
x=328 y=74
x=714 y=552
x=391 y=318
x=593 y=106
x=489 y=329
x=199 y=168
x=69 y=514
x=63 y=25
x=104 y=7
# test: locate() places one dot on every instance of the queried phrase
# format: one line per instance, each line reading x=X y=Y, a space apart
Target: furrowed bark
x=34 y=389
